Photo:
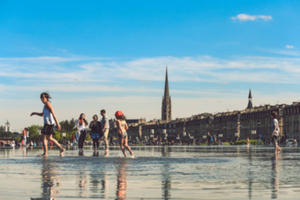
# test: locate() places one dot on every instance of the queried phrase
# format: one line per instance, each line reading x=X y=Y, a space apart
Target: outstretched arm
x=37 y=113
x=48 y=104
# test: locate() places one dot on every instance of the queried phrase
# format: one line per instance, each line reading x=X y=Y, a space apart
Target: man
x=105 y=130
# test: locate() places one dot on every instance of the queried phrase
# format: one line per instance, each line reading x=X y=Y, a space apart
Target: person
x=50 y=119
x=122 y=132
x=95 y=127
x=25 y=132
x=275 y=133
x=105 y=130
x=82 y=130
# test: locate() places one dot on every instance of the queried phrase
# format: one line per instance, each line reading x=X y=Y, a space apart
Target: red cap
x=119 y=113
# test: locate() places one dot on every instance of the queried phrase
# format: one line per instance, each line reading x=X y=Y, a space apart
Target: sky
x=91 y=55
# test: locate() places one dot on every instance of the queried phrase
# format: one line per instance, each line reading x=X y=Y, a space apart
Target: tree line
x=67 y=126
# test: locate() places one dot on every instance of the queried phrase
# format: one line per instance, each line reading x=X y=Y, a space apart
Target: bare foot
x=45 y=155
x=61 y=152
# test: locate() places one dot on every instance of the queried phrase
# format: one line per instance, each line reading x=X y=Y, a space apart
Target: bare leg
x=57 y=144
x=45 y=145
x=106 y=142
x=128 y=147
x=121 y=141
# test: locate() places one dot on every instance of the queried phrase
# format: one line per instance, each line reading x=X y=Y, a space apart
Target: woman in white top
x=82 y=129
x=122 y=132
x=276 y=130
x=49 y=121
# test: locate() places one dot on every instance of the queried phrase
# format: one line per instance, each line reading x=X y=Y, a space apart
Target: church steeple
x=250 y=104
x=166 y=112
x=167 y=93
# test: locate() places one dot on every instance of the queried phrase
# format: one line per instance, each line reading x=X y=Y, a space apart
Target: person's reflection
x=122 y=180
x=104 y=184
x=82 y=183
x=98 y=177
x=50 y=183
x=275 y=176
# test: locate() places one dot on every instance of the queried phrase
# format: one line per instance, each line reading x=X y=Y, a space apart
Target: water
x=156 y=173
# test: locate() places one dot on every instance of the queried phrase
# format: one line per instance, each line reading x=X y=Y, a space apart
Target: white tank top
x=48 y=117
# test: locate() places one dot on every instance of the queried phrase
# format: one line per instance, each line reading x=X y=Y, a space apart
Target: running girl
x=82 y=130
x=122 y=132
x=49 y=121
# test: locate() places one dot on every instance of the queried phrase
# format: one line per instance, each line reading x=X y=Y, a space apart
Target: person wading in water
x=49 y=120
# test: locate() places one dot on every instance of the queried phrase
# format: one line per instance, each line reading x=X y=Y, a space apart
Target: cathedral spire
x=166 y=112
x=250 y=104
x=167 y=92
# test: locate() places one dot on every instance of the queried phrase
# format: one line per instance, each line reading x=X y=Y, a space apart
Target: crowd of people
x=98 y=129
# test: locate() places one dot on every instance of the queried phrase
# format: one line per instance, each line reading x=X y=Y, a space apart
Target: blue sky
x=112 y=54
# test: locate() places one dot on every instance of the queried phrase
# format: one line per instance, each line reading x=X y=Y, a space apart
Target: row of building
x=252 y=122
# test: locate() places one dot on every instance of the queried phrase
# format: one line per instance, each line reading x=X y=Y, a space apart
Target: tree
x=34 y=132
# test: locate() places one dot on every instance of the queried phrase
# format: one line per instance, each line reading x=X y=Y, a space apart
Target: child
x=81 y=126
x=95 y=127
x=49 y=121
x=122 y=132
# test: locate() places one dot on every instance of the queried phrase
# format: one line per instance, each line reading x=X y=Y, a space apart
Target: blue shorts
x=95 y=136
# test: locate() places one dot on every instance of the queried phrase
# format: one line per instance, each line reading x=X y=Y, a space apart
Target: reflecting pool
x=182 y=172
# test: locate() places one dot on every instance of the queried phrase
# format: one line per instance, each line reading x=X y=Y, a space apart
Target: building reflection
x=275 y=177
x=122 y=180
x=50 y=182
x=166 y=179
x=250 y=174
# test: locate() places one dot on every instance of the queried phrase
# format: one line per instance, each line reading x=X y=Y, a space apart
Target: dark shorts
x=48 y=129
x=275 y=139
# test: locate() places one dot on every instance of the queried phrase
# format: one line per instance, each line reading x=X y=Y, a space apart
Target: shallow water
x=184 y=172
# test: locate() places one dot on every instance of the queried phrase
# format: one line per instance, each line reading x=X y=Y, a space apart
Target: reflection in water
x=50 y=182
x=166 y=182
x=250 y=174
x=82 y=183
x=122 y=180
x=98 y=177
x=275 y=176
x=168 y=173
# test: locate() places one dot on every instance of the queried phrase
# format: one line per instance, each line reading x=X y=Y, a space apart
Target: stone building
x=254 y=122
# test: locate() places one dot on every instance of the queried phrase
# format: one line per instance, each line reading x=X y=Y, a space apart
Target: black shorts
x=274 y=139
x=48 y=129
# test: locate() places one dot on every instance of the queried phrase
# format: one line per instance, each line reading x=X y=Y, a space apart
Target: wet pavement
x=195 y=172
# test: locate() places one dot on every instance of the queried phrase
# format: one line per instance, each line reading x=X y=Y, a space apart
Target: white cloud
x=245 y=17
x=192 y=69
x=288 y=46
x=136 y=85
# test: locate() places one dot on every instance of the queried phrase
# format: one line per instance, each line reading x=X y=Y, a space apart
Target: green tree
x=34 y=132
